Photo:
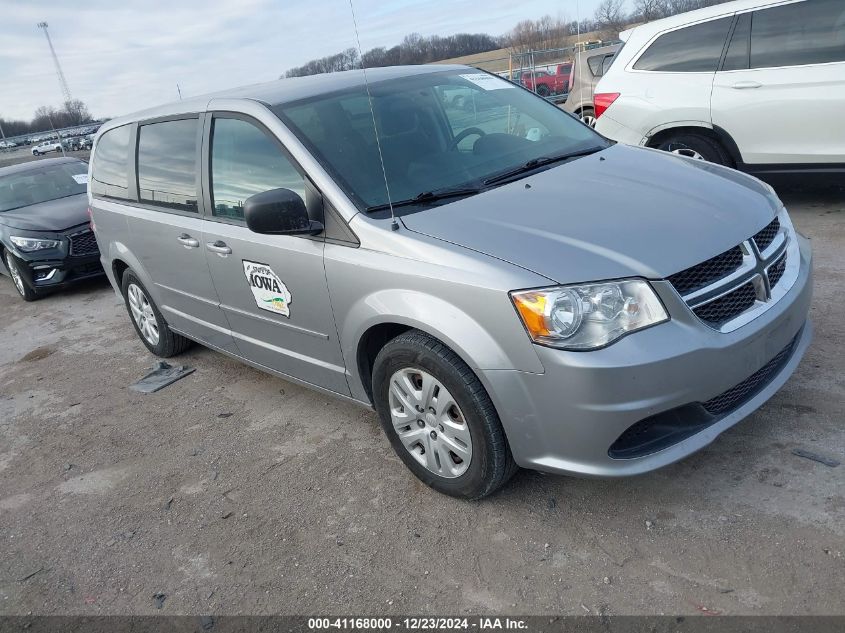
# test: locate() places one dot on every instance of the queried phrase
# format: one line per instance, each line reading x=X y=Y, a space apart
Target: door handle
x=187 y=241
x=745 y=85
x=219 y=247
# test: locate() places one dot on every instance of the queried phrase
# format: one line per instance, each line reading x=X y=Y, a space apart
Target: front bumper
x=45 y=275
x=566 y=419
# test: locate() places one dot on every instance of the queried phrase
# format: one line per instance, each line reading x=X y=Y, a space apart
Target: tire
x=34 y=153
x=471 y=415
x=696 y=146
x=588 y=117
x=26 y=293
x=166 y=343
x=543 y=90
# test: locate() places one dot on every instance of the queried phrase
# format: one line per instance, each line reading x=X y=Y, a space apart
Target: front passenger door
x=272 y=288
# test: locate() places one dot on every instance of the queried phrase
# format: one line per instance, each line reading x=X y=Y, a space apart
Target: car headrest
x=396 y=115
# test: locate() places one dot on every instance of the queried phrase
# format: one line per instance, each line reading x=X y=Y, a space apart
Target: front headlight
x=588 y=316
x=30 y=244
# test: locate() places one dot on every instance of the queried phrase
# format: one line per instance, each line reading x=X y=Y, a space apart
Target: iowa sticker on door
x=269 y=291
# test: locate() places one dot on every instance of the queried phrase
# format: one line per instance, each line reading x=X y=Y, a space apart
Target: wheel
x=439 y=418
x=588 y=117
x=148 y=321
x=543 y=90
x=34 y=153
x=696 y=146
x=27 y=293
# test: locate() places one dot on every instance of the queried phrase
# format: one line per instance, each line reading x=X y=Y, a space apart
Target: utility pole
x=62 y=80
x=58 y=135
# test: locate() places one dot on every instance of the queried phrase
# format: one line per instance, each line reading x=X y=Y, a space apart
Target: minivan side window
x=110 y=169
x=811 y=32
x=167 y=164
x=244 y=162
x=694 y=49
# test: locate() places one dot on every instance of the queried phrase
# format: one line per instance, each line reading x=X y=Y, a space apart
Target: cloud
x=124 y=56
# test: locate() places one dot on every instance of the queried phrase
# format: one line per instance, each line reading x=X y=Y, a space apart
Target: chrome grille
x=727 y=290
x=721 y=310
x=765 y=237
x=706 y=273
x=83 y=243
x=776 y=271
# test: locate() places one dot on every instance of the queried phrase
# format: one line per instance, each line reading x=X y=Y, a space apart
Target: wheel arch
x=367 y=328
x=656 y=136
x=118 y=267
x=120 y=260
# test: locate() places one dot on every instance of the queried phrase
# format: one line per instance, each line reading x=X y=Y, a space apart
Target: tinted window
x=111 y=159
x=167 y=164
x=607 y=63
x=595 y=64
x=436 y=130
x=42 y=184
x=474 y=107
x=811 y=32
x=737 y=56
x=692 y=49
x=244 y=162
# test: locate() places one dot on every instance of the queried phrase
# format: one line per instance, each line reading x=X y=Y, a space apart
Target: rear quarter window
x=110 y=166
x=692 y=49
x=595 y=63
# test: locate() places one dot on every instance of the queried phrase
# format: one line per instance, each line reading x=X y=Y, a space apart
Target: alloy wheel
x=143 y=314
x=688 y=152
x=429 y=422
x=15 y=273
x=588 y=119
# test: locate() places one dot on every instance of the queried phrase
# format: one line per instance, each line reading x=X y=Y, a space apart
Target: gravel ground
x=235 y=492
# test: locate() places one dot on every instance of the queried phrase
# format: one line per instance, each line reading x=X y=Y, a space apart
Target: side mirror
x=279 y=212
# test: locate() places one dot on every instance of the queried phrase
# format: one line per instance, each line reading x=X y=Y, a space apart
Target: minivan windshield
x=25 y=188
x=442 y=135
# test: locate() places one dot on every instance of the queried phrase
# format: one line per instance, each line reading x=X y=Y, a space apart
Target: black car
x=46 y=241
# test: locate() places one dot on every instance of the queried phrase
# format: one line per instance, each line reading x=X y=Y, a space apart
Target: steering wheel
x=463 y=134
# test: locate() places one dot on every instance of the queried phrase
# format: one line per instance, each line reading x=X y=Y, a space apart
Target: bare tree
x=610 y=16
x=77 y=112
x=414 y=49
x=648 y=10
x=546 y=32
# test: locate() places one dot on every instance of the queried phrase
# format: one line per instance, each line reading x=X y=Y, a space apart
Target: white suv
x=754 y=84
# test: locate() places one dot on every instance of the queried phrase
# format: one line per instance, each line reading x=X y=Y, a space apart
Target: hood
x=53 y=215
x=618 y=213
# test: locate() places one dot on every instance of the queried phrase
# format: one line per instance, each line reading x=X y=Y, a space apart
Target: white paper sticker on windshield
x=269 y=291
x=81 y=179
x=488 y=82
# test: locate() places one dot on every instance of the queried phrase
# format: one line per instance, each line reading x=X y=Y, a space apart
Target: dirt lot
x=23 y=154
x=236 y=492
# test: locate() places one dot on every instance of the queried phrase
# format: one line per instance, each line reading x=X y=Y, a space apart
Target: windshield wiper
x=428 y=196
x=540 y=161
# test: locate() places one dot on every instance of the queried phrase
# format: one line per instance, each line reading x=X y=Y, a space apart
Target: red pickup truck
x=549 y=83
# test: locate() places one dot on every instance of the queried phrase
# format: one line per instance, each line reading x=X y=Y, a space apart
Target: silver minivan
x=503 y=285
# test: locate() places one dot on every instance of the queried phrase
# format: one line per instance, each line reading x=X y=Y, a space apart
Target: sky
x=128 y=55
